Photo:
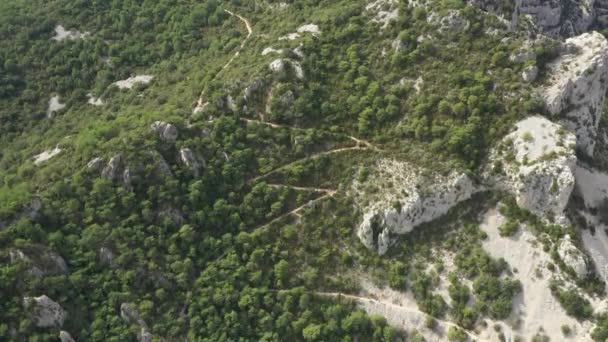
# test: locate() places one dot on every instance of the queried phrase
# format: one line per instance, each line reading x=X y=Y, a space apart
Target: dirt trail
x=402 y=309
x=297 y=210
x=312 y=157
x=200 y=105
x=300 y=188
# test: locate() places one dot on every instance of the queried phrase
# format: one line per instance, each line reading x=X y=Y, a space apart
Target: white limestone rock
x=166 y=131
x=187 y=157
x=383 y=11
x=65 y=336
x=54 y=106
x=407 y=197
x=572 y=257
x=530 y=73
x=130 y=82
x=95 y=164
x=554 y=18
x=451 y=22
x=280 y=65
x=535 y=163
x=111 y=170
x=44 y=312
x=577 y=87
x=106 y=256
x=62 y=34
x=46 y=155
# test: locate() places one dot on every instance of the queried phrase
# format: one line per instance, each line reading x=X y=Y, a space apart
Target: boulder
x=572 y=257
x=44 y=312
x=130 y=315
x=95 y=164
x=530 y=73
x=112 y=169
x=577 y=87
x=65 y=336
x=166 y=131
x=187 y=157
x=41 y=261
x=417 y=196
x=106 y=256
x=536 y=164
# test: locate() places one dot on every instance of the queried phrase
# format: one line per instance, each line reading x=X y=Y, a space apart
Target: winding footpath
x=200 y=105
x=402 y=310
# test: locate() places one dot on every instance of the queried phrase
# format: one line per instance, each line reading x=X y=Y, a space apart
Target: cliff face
x=577 y=87
x=553 y=18
x=409 y=196
x=535 y=163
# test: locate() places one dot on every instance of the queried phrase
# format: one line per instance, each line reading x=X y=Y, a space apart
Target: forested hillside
x=214 y=171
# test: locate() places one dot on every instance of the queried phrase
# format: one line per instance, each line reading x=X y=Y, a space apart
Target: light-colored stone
x=55 y=105
x=189 y=160
x=95 y=164
x=46 y=155
x=111 y=170
x=530 y=73
x=572 y=257
x=65 y=336
x=539 y=172
x=62 y=34
x=577 y=87
x=166 y=131
x=44 y=312
x=407 y=197
x=130 y=82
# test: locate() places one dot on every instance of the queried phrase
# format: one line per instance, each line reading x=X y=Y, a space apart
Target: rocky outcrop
x=106 y=256
x=554 y=18
x=415 y=198
x=44 y=312
x=130 y=315
x=95 y=164
x=530 y=73
x=572 y=257
x=453 y=21
x=40 y=260
x=65 y=336
x=187 y=157
x=577 y=87
x=281 y=65
x=113 y=168
x=166 y=131
x=535 y=163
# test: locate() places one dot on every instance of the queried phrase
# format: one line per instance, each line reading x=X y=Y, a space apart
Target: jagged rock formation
x=451 y=22
x=535 y=163
x=415 y=199
x=554 y=18
x=572 y=257
x=130 y=315
x=40 y=260
x=96 y=164
x=577 y=87
x=166 y=131
x=187 y=157
x=280 y=65
x=111 y=170
x=44 y=312
x=530 y=73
